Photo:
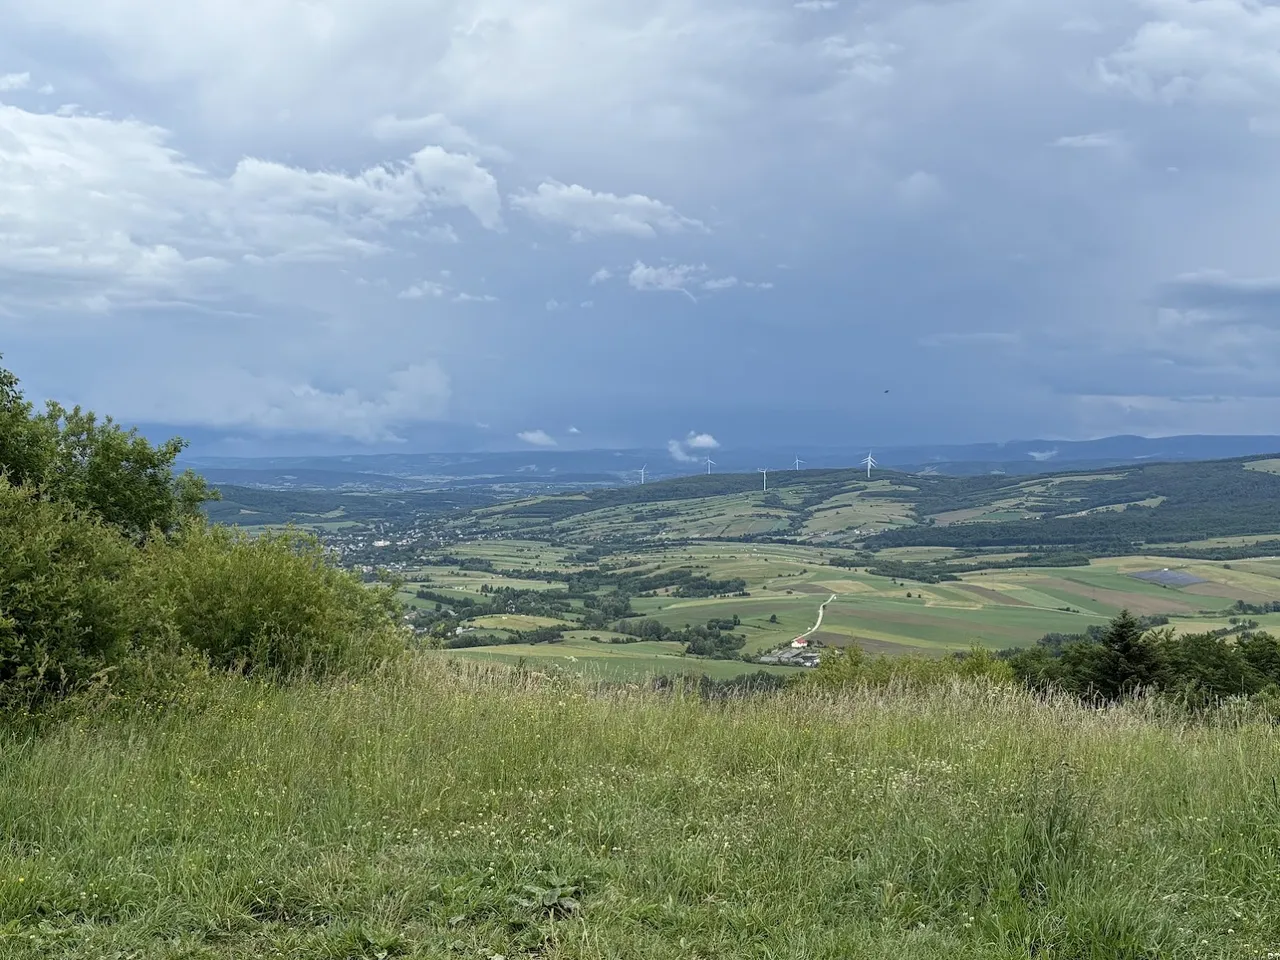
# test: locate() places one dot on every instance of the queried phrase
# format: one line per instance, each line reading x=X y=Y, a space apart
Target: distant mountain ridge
x=593 y=468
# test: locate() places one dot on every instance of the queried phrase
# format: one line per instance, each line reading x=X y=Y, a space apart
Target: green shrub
x=69 y=604
x=274 y=604
x=74 y=457
x=852 y=667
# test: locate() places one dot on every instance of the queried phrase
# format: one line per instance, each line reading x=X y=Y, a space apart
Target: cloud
x=574 y=430
x=919 y=189
x=678 y=452
x=437 y=290
x=96 y=211
x=14 y=81
x=424 y=288
x=275 y=404
x=1217 y=295
x=720 y=283
x=588 y=212
x=664 y=278
x=863 y=60
x=1206 y=51
x=538 y=438
x=222 y=172
x=813 y=6
x=1040 y=456
x=443 y=233
x=1089 y=141
x=553 y=305
x=692 y=448
x=438 y=129
x=600 y=276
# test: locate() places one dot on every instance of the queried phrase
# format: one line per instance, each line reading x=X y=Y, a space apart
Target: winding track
x=821 y=612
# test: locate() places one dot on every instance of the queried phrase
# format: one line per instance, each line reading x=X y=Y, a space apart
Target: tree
x=95 y=465
x=773 y=618
x=1130 y=661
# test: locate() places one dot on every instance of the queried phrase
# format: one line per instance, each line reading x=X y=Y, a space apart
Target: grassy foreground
x=400 y=815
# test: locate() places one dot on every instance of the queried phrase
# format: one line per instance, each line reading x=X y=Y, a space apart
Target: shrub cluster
x=853 y=667
x=106 y=564
x=1128 y=658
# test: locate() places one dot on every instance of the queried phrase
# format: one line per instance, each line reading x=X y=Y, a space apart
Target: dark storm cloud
x=351 y=216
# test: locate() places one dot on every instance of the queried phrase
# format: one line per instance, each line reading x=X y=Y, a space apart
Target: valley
x=711 y=575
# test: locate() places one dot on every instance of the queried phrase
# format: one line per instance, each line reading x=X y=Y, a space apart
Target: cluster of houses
x=797 y=654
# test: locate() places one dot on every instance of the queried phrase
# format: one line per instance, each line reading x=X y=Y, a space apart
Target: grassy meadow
x=443 y=809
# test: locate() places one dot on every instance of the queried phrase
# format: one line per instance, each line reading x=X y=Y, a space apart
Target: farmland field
x=921 y=563
x=787 y=583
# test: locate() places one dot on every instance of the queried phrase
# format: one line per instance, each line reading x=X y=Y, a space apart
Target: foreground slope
x=440 y=811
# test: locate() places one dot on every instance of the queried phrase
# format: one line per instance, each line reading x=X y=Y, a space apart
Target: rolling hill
x=1178 y=506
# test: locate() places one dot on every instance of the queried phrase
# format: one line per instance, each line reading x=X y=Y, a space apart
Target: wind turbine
x=642 y=470
x=710 y=463
x=799 y=461
x=765 y=471
x=870 y=462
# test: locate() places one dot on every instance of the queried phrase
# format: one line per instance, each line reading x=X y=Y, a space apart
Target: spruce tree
x=1131 y=661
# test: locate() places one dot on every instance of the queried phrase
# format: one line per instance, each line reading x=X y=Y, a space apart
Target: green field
x=996 y=609
x=423 y=813
x=631 y=661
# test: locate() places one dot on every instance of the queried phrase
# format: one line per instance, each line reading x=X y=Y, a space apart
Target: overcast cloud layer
x=372 y=219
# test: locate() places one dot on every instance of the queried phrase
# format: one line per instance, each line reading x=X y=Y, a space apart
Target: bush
x=69 y=605
x=273 y=604
x=73 y=457
x=852 y=667
x=109 y=570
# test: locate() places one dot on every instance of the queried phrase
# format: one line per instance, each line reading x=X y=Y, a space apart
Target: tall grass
x=408 y=813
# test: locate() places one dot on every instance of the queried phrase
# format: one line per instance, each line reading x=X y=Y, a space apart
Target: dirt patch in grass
x=995 y=596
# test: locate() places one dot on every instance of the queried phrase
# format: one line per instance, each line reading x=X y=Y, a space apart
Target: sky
x=417 y=224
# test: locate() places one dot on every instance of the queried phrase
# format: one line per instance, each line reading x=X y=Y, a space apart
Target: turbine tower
x=642 y=470
x=870 y=462
x=710 y=463
x=799 y=461
x=765 y=471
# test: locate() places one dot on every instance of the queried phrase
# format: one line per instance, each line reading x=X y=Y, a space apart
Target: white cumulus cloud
x=678 y=452
x=674 y=278
x=720 y=283
x=1211 y=51
x=537 y=438
x=693 y=447
x=426 y=288
x=589 y=212
x=14 y=81
x=96 y=211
